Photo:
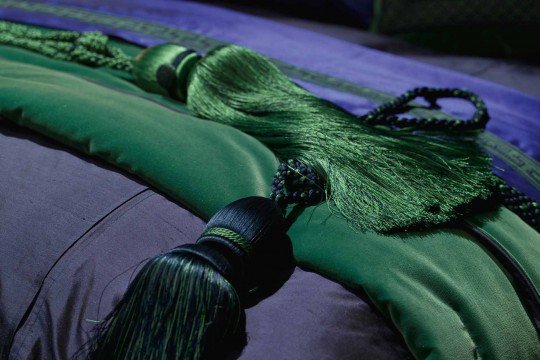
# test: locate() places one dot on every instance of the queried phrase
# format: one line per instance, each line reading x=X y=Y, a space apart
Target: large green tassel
x=377 y=179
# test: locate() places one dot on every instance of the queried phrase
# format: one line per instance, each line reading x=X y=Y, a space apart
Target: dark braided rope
x=296 y=183
x=386 y=114
x=522 y=205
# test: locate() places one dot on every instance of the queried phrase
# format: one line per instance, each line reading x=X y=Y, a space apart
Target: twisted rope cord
x=519 y=203
x=385 y=114
x=522 y=205
x=88 y=48
x=231 y=236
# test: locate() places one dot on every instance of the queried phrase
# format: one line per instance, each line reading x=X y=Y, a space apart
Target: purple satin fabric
x=514 y=115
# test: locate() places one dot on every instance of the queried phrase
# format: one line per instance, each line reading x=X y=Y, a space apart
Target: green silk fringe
x=377 y=179
x=155 y=319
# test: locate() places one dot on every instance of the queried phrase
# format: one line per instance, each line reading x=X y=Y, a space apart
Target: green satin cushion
x=185 y=157
x=447 y=296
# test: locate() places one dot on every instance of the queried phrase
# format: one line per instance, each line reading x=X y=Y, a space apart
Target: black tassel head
x=254 y=230
x=188 y=303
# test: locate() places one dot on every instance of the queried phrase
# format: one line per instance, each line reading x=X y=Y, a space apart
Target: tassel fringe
x=377 y=179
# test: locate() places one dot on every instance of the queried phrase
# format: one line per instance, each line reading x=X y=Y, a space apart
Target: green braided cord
x=89 y=48
x=229 y=235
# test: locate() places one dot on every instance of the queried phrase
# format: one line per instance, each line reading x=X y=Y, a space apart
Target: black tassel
x=188 y=303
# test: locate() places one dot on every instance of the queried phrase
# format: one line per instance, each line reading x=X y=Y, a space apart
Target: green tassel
x=178 y=307
x=377 y=179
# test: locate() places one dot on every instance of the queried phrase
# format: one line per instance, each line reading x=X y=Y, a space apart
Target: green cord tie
x=231 y=236
x=89 y=48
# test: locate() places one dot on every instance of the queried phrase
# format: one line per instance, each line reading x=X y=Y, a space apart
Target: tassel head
x=188 y=303
x=164 y=69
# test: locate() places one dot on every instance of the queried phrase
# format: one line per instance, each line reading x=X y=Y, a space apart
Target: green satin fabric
x=185 y=157
x=447 y=296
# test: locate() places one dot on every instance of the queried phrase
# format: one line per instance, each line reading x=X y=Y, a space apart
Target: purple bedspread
x=353 y=76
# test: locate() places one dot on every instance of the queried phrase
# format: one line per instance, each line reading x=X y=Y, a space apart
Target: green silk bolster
x=447 y=296
x=183 y=156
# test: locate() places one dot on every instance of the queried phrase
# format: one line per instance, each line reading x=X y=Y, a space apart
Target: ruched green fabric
x=448 y=297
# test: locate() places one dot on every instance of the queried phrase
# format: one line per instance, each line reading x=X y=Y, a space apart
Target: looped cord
x=386 y=114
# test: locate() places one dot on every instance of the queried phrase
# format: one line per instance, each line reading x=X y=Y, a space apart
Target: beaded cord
x=296 y=183
x=386 y=113
x=88 y=48
x=522 y=205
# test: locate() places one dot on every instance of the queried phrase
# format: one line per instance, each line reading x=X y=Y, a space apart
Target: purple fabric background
x=514 y=115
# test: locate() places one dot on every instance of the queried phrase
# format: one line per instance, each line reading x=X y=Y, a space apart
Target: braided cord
x=296 y=183
x=231 y=236
x=386 y=114
x=522 y=205
x=88 y=48
x=519 y=203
